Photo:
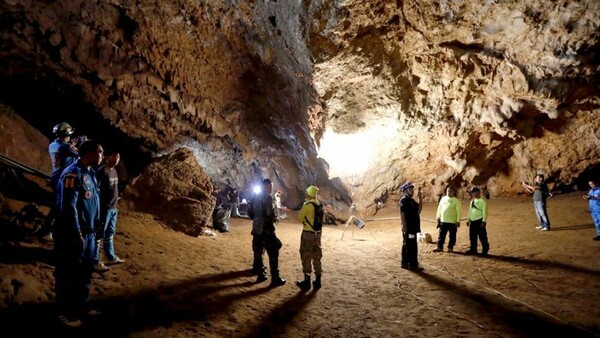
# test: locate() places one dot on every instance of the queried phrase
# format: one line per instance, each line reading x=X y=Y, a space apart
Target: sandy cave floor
x=533 y=283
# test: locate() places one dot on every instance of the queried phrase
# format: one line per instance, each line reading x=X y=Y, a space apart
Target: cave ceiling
x=367 y=93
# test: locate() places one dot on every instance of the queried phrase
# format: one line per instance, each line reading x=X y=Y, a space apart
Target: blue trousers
x=73 y=272
x=596 y=218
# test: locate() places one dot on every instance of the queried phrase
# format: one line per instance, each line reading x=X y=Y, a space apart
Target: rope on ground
x=398 y=285
x=494 y=291
x=520 y=302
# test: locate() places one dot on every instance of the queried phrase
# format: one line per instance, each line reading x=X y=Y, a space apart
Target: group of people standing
x=449 y=212
x=448 y=217
x=85 y=212
x=263 y=212
x=540 y=193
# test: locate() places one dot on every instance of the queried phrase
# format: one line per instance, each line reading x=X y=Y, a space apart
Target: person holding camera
x=540 y=194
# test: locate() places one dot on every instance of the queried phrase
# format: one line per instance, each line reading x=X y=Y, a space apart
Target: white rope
x=494 y=291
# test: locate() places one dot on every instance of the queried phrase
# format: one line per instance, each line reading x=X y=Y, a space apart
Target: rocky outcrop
x=437 y=92
x=174 y=189
x=369 y=93
x=231 y=79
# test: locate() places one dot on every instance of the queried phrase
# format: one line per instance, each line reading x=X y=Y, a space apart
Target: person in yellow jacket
x=311 y=217
x=448 y=219
x=476 y=221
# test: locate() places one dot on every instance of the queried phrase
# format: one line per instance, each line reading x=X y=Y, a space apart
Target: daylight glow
x=354 y=154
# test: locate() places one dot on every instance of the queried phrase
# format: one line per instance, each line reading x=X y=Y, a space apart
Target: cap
x=474 y=189
x=407 y=185
x=312 y=191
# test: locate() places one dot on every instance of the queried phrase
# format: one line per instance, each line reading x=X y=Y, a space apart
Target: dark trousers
x=73 y=273
x=271 y=244
x=409 y=251
x=447 y=228
x=475 y=231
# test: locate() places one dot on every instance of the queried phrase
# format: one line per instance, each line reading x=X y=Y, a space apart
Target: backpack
x=317 y=223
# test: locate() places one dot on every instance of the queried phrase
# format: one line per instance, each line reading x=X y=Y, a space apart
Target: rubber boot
x=317 y=282
x=276 y=281
x=304 y=284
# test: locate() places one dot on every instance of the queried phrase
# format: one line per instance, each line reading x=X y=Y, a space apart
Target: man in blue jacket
x=62 y=154
x=593 y=196
x=78 y=215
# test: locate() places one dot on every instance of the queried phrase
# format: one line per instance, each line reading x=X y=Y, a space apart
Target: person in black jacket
x=411 y=225
x=262 y=212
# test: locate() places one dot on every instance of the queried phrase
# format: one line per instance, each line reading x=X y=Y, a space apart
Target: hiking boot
x=277 y=281
x=117 y=260
x=471 y=252
x=305 y=283
x=257 y=271
x=416 y=268
x=100 y=267
x=545 y=229
x=450 y=249
x=261 y=278
x=438 y=250
x=317 y=282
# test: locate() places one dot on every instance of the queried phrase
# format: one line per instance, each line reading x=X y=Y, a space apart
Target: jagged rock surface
x=231 y=75
x=479 y=92
x=175 y=189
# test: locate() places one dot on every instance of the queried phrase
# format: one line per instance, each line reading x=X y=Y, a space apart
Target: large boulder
x=175 y=189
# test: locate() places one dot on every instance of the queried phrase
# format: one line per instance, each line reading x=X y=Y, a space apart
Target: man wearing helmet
x=62 y=154
x=311 y=217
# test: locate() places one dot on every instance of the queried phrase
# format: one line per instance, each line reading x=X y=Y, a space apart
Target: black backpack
x=317 y=223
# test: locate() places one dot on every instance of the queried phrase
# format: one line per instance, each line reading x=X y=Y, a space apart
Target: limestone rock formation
x=477 y=92
x=354 y=96
x=174 y=189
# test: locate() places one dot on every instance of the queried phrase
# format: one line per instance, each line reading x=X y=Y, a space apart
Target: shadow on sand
x=524 y=322
x=537 y=263
x=123 y=314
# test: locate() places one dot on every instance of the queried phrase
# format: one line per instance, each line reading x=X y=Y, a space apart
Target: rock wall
x=465 y=92
x=233 y=76
x=479 y=92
